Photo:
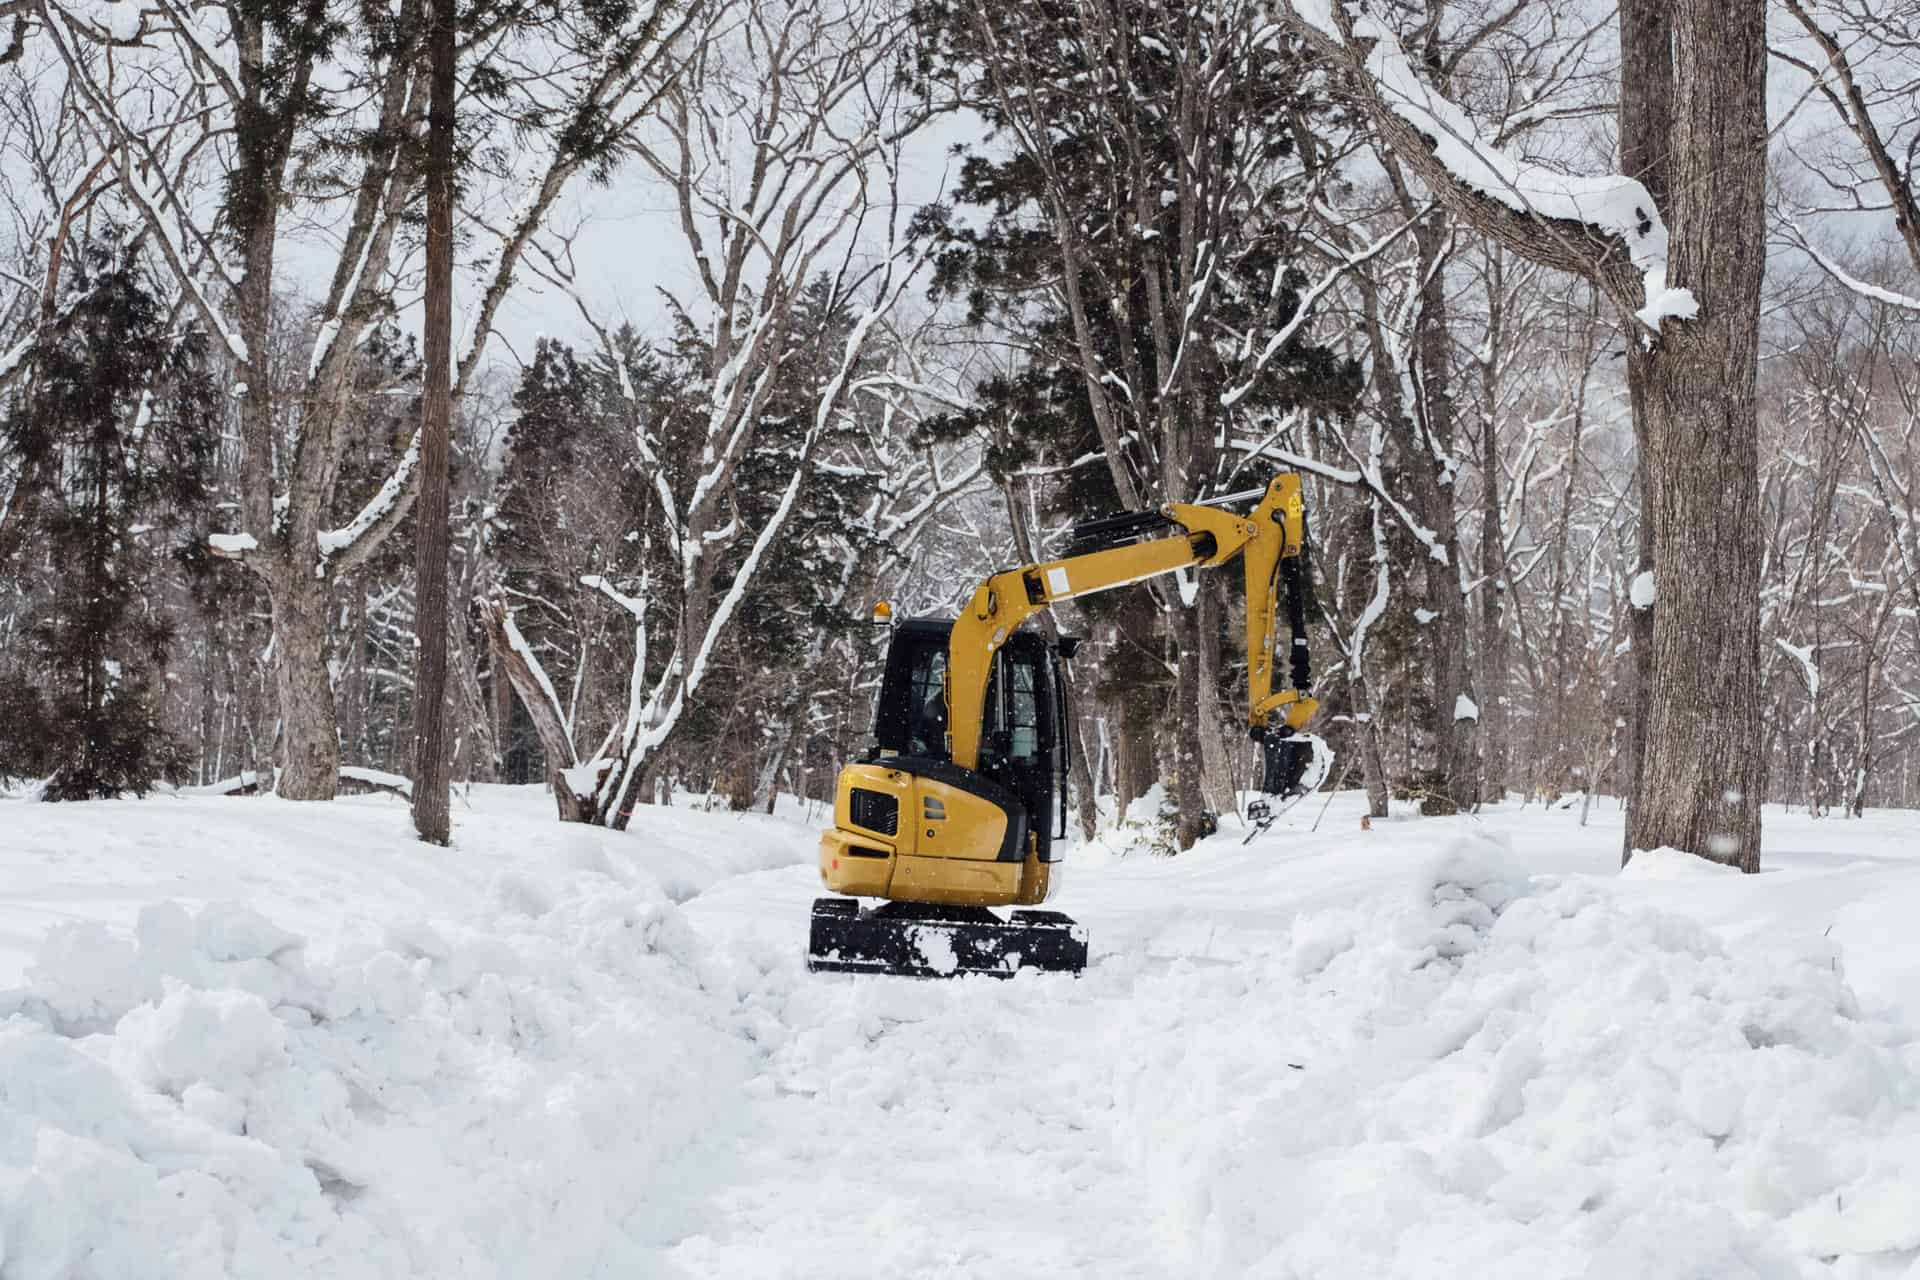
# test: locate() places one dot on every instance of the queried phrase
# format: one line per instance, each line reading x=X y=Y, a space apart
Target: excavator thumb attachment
x=924 y=940
x=1292 y=767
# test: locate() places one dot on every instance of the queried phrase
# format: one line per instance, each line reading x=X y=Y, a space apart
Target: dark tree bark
x=431 y=778
x=1495 y=721
x=1698 y=771
x=1450 y=662
x=1646 y=126
x=1189 y=797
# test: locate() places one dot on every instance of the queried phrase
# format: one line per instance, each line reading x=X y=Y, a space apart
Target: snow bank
x=1497 y=1078
x=567 y=1052
x=532 y=1094
x=1673 y=864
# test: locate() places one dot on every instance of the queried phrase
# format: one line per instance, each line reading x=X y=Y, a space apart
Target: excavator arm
x=1270 y=543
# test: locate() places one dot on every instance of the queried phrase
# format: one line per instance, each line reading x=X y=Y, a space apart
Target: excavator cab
x=1024 y=741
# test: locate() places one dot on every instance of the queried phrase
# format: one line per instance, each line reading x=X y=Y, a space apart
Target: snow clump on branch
x=1612 y=204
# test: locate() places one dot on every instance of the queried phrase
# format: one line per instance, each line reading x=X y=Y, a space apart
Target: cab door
x=1022 y=732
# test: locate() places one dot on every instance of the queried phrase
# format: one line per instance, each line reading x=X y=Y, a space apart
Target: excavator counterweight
x=954 y=810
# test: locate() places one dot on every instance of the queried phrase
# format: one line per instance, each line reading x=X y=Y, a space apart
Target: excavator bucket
x=924 y=940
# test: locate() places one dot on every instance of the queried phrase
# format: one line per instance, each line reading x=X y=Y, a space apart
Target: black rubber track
x=920 y=940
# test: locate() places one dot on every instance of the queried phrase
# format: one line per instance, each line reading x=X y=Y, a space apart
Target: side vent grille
x=875 y=811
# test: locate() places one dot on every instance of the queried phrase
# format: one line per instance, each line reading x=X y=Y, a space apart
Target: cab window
x=927 y=702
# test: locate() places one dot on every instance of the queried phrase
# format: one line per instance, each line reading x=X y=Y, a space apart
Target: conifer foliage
x=116 y=421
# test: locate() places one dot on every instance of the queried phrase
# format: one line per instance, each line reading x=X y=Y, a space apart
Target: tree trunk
x=1646 y=128
x=1219 y=778
x=209 y=639
x=1447 y=635
x=1698 y=774
x=1189 y=797
x=512 y=665
x=1698 y=782
x=1080 y=763
x=1133 y=762
x=308 y=731
x=351 y=697
x=1494 y=719
x=431 y=775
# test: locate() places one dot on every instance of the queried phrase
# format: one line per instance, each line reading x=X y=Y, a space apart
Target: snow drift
x=1304 y=1057
x=1504 y=1078
x=534 y=1094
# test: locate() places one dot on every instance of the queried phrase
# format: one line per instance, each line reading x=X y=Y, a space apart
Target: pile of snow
x=571 y=1052
x=200 y=1101
x=1144 y=827
x=1490 y=1077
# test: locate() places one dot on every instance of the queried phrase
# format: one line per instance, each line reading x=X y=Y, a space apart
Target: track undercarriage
x=924 y=940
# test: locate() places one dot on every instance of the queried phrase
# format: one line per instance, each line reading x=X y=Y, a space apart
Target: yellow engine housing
x=948 y=846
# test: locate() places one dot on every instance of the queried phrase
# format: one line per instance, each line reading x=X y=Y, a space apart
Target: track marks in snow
x=1464 y=1071
x=955 y=1128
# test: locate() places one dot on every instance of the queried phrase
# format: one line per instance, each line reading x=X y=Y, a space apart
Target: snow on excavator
x=953 y=810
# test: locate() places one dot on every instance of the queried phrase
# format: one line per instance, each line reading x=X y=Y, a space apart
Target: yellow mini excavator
x=952 y=811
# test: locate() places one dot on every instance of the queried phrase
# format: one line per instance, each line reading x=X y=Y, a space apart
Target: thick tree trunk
x=1456 y=712
x=1080 y=765
x=1639 y=620
x=431 y=768
x=1698 y=775
x=1134 y=771
x=1698 y=780
x=1646 y=127
x=308 y=731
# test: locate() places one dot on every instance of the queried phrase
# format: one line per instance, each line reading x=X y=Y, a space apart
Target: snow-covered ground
x=251 y=1038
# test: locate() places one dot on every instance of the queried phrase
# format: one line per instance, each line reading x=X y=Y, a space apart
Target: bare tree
x=215 y=157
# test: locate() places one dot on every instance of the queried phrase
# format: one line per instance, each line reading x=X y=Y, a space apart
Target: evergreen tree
x=118 y=419
x=1132 y=238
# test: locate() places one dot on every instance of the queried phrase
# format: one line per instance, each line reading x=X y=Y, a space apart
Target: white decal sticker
x=1057 y=581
